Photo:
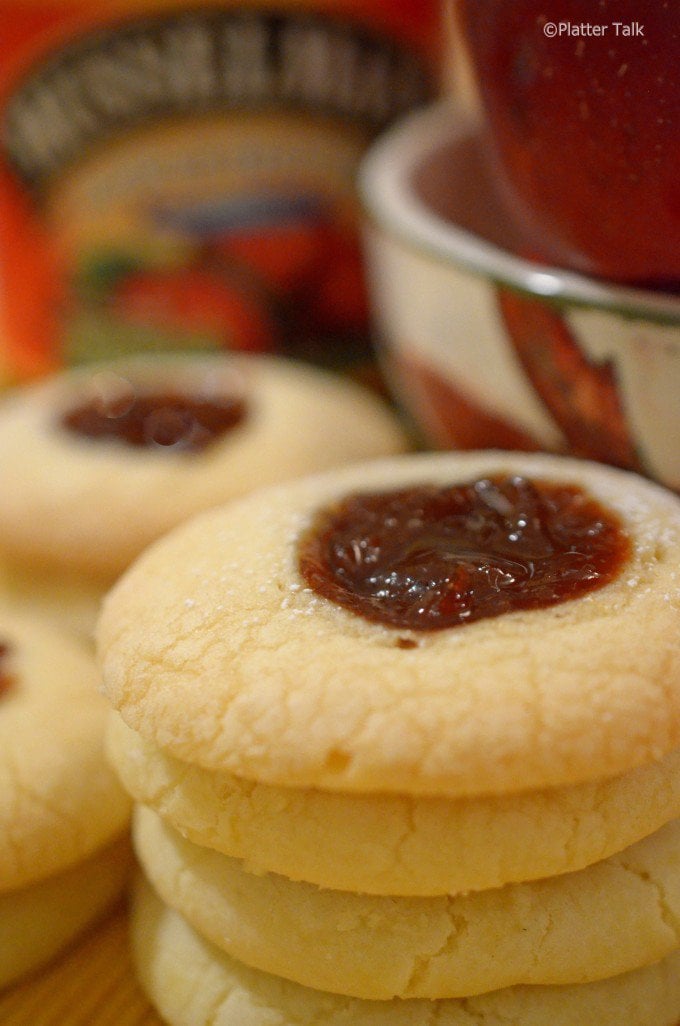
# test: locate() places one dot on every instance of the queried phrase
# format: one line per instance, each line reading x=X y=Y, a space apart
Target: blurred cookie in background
x=98 y=462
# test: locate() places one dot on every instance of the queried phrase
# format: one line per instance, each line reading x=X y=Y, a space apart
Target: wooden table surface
x=92 y=984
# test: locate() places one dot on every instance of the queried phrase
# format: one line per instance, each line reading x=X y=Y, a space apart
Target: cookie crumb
x=406 y=643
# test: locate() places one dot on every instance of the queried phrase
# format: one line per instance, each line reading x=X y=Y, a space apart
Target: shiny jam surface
x=429 y=557
x=164 y=420
x=5 y=677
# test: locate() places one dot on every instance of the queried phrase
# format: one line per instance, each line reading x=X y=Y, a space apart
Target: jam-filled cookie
x=397 y=844
x=98 y=462
x=596 y=923
x=460 y=625
x=192 y=983
x=62 y=810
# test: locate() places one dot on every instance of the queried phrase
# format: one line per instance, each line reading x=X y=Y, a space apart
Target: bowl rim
x=389 y=200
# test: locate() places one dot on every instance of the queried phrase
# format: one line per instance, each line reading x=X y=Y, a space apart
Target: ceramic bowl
x=485 y=347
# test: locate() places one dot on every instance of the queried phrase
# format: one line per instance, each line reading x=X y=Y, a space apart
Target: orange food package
x=181 y=176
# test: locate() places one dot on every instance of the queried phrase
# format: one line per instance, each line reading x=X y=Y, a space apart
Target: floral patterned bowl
x=486 y=348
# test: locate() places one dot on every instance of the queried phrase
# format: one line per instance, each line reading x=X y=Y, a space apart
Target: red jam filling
x=164 y=420
x=428 y=557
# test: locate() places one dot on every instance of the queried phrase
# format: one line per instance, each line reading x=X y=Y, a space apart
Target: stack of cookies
x=64 y=846
x=405 y=742
x=98 y=462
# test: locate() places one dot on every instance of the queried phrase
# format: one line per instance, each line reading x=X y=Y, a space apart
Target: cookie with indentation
x=216 y=648
x=192 y=983
x=99 y=461
x=397 y=844
x=609 y=918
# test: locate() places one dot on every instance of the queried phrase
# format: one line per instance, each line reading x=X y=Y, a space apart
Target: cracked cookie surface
x=213 y=649
x=192 y=983
x=397 y=844
x=613 y=917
